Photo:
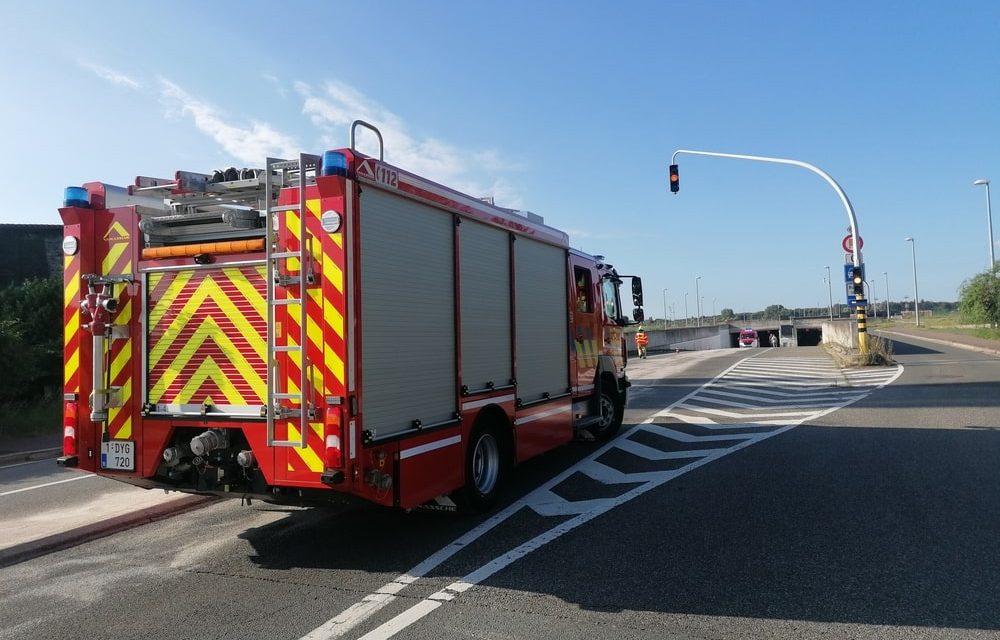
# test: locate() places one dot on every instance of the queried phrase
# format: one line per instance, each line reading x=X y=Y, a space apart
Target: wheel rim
x=607 y=412
x=485 y=464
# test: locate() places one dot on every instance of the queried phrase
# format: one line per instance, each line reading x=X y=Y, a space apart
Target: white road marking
x=545 y=502
x=47 y=484
x=21 y=464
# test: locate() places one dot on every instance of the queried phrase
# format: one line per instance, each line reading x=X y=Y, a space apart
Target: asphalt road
x=784 y=500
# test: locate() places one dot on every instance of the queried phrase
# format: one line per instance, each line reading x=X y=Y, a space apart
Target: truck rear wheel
x=612 y=415
x=485 y=470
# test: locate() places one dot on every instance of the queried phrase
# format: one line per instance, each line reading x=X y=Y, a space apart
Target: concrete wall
x=842 y=333
x=683 y=339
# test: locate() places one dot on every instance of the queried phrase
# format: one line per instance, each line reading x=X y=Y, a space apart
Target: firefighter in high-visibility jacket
x=641 y=340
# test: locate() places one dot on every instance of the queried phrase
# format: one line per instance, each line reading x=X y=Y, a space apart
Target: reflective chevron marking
x=606 y=467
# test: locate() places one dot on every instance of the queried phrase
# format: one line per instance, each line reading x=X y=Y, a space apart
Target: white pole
x=989 y=221
x=697 y=300
x=829 y=290
x=916 y=296
x=886 y=274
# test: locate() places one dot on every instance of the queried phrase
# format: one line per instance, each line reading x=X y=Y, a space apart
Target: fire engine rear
x=329 y=327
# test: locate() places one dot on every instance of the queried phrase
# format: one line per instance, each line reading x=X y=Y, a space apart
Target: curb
x=59 y=541
x=959 y=345
x=30 y=456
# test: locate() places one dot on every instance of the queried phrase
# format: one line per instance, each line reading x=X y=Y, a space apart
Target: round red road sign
x=848 y=243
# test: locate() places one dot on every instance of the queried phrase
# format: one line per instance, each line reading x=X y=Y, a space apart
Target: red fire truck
x=329 y=327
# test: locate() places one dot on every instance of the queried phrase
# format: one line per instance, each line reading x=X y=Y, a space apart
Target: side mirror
x=636 y=291
x=637 y=314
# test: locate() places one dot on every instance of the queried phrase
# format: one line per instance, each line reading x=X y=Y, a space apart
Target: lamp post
x=713 y=311
x=886 y=274
x=697 y=298
x=829 y=290
x=874 y=300
x=916 y=296
x=664 y=308
x=989 y=221
x=687 y=318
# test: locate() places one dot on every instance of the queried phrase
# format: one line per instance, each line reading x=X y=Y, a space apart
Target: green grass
x=31 y=418
x=950 y=323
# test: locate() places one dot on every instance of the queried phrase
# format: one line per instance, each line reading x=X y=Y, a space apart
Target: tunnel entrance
x=765 y=337
x=809 y=337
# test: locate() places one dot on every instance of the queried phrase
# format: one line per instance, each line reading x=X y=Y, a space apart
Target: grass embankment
x=946 y=323
x=26 y=419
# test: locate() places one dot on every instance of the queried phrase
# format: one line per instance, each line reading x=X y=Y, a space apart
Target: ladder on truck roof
x=280 y=173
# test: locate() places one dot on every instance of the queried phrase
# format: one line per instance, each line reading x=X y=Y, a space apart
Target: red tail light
x=69 y=428
x=334 y=458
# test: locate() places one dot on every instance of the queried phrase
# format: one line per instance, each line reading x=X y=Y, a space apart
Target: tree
x=979 y=299
x=774 y=311
x=727 y=314
x=31 y=338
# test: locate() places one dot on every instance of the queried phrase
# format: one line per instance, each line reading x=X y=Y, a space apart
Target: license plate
x=118 y=455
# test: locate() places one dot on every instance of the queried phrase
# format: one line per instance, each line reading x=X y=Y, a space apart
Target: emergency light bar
x=76 y=197
x=334 y=164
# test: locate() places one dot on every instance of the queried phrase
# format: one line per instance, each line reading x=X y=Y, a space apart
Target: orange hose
x=214 y=248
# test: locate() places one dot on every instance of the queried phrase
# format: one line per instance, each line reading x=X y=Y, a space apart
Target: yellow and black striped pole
x=862 y=328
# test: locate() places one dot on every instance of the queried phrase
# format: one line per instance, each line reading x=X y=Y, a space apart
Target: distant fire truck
x=328 y=327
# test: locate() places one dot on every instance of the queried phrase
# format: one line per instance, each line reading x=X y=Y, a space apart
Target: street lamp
x=874 y=300
x=713 y=311
x=697 y=297
x=989 y=220
x=829 y=290
x=687 y=318
x=664 y=308
x=886 y=274
x=916 y=297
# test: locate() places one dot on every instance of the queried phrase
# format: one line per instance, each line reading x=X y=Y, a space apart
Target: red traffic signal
x=675 y=179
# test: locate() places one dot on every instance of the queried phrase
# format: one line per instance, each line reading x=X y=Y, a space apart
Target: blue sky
x=568 y=109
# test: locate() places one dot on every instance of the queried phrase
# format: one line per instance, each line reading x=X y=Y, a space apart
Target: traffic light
x=858 y=281
x=675 y=179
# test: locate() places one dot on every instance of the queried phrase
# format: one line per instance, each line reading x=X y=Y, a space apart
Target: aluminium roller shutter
x=407 y=313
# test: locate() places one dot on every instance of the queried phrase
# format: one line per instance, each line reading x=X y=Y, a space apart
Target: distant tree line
x=840 y=310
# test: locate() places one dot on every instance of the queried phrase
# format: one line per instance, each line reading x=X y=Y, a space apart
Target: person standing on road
x=774 y=340
x=641 y=340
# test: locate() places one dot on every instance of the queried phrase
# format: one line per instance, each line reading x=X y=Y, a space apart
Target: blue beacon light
x=334 y=164
x=76 y=197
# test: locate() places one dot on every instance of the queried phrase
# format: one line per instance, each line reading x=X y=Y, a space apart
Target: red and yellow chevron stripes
x=207 y=336
x=324 y=331
x=118 y=261
x=71 y=323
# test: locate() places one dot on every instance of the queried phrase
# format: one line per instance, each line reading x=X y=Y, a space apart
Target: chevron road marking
x=666 y=427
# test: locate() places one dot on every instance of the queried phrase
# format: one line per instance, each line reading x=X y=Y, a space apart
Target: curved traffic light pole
x=852 y=219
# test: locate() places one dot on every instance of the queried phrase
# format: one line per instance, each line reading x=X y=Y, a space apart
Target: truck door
x=586 y=339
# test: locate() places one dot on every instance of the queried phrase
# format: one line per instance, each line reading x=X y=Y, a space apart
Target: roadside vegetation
x=31 y=332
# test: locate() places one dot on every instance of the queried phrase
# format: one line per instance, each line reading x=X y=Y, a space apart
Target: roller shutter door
x=541 y=320
x=485 y=305
x=407 y=313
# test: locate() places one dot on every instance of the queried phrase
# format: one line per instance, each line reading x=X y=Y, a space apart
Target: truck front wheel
x=484 y=470
x=612 y=415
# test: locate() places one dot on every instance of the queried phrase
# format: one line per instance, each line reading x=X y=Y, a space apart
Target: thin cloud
x=112 y=76
x=250 y=143
x=278 y=85
x=333 y=108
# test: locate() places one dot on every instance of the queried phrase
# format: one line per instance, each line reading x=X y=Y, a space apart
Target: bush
x=979 y=299
x=31 y=342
